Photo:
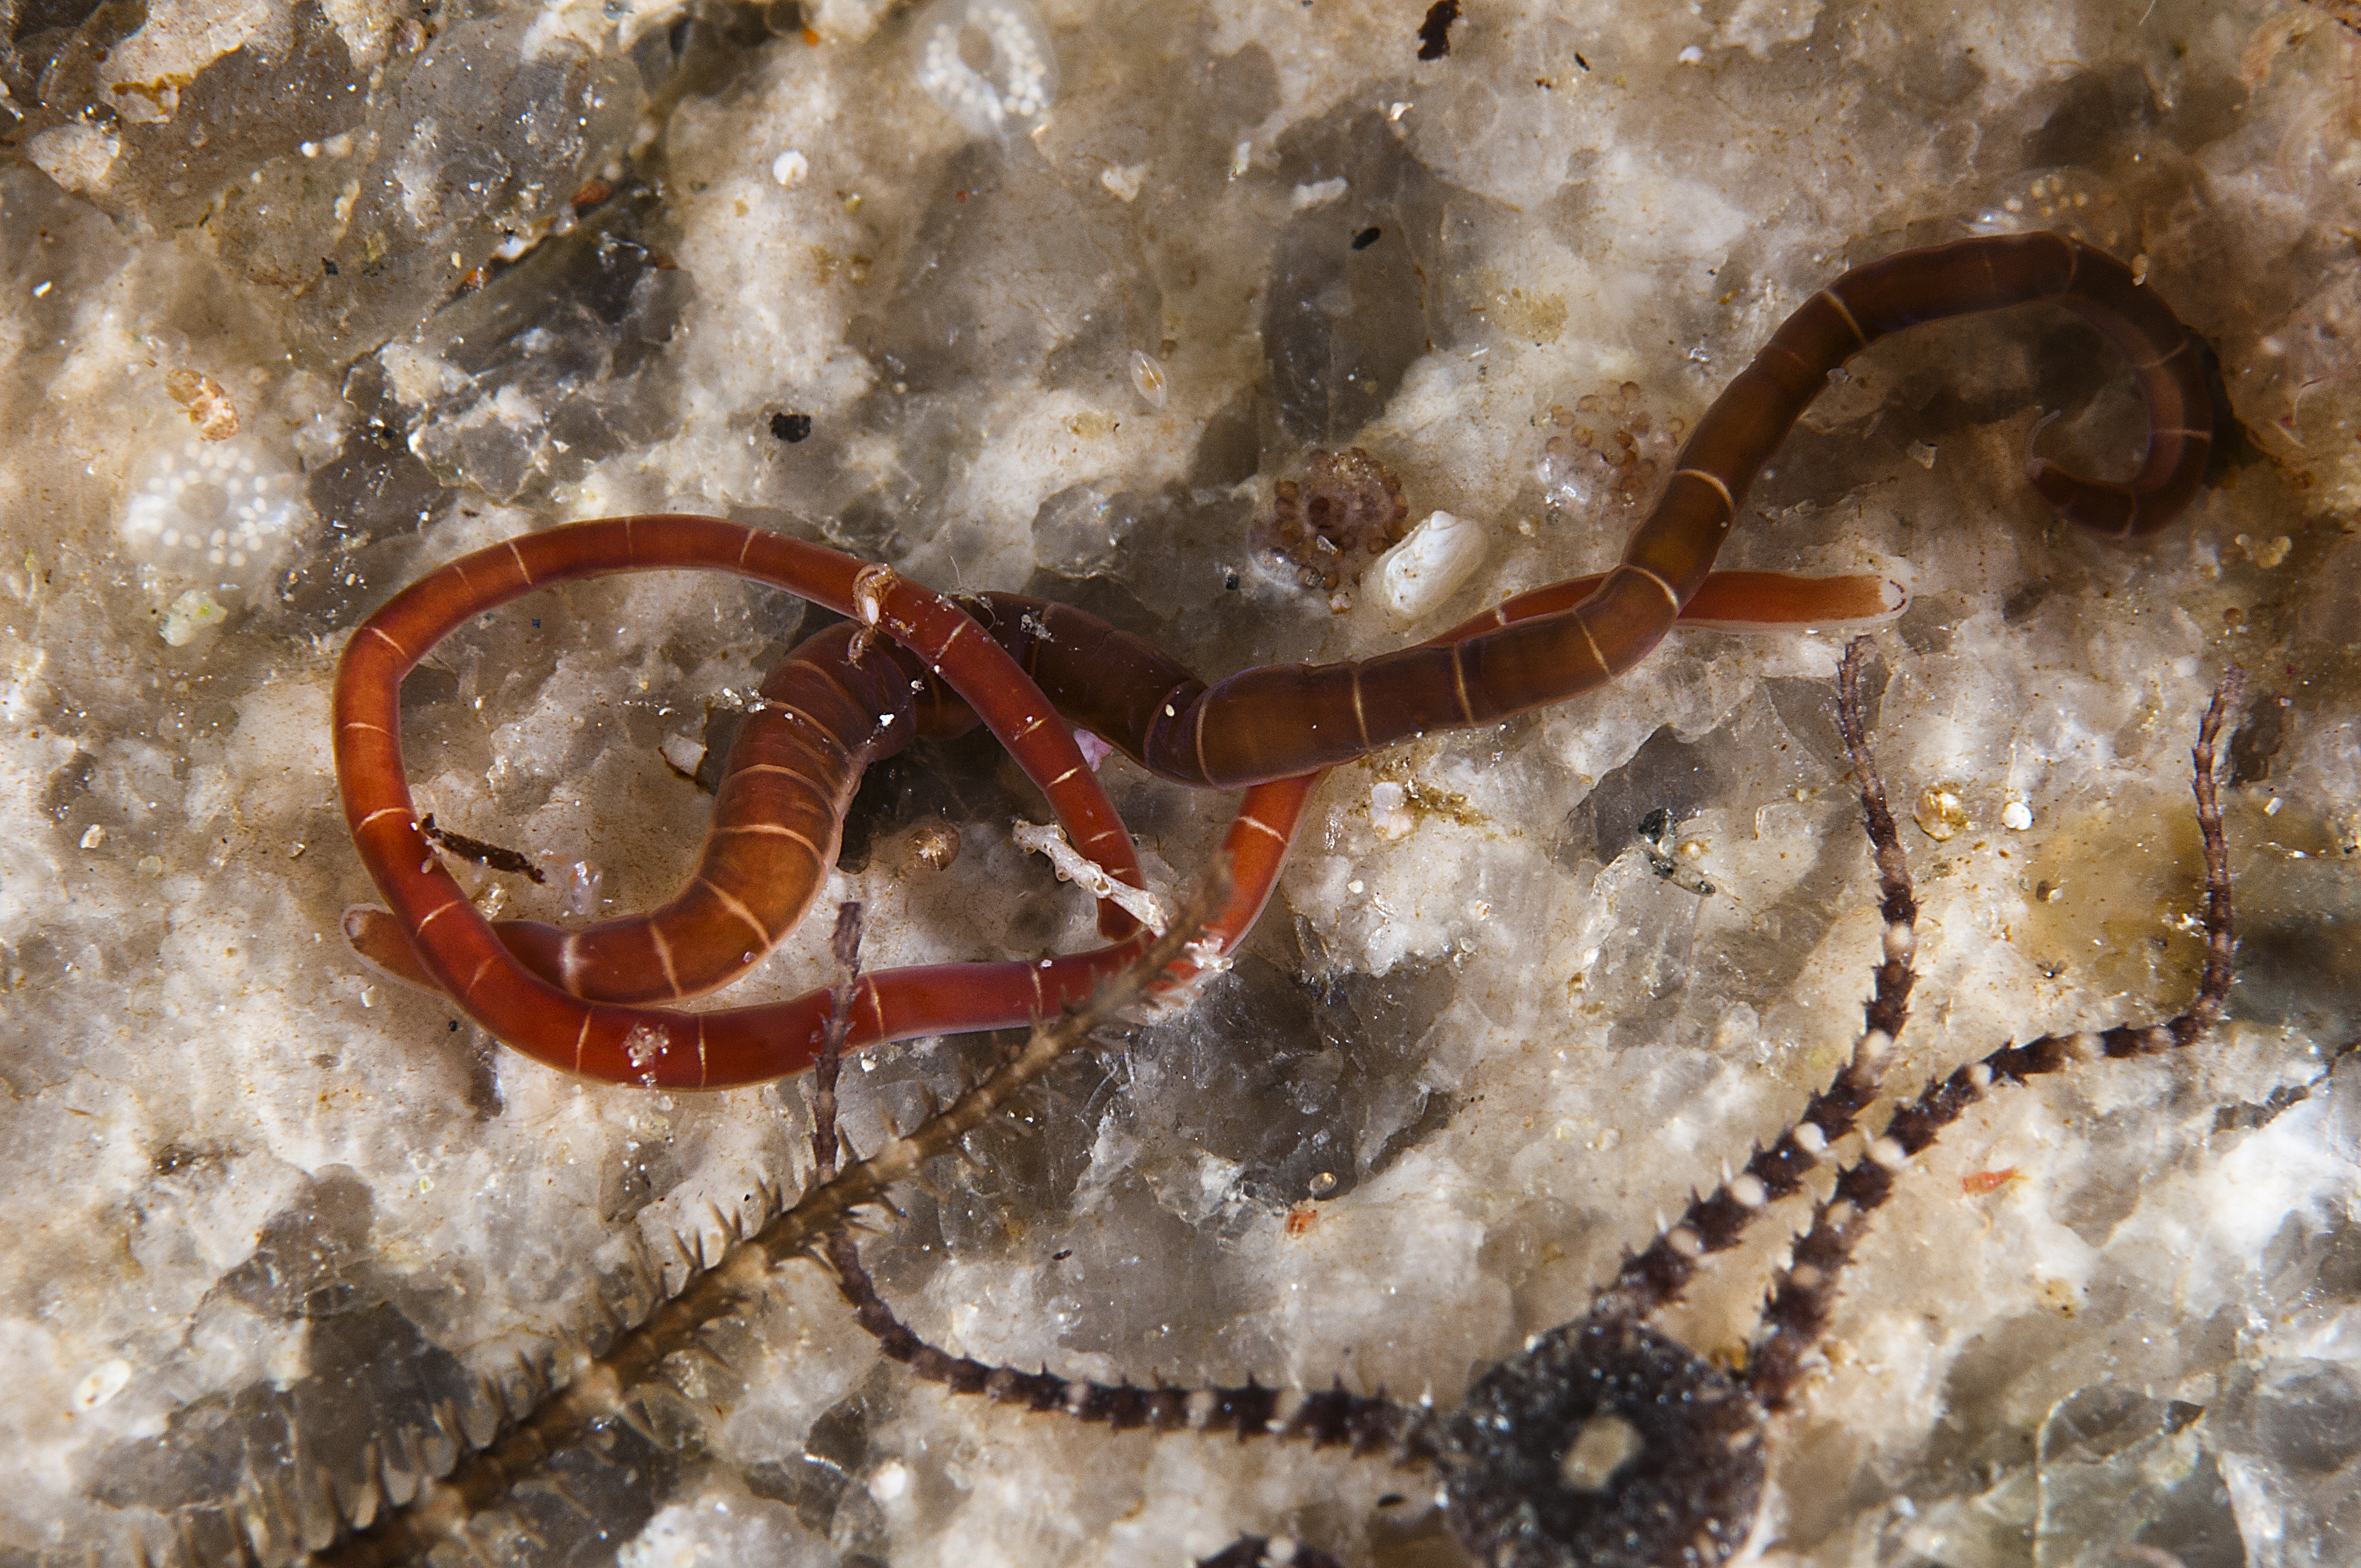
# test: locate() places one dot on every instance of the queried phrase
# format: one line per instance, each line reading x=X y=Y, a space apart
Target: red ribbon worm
x=575 y=999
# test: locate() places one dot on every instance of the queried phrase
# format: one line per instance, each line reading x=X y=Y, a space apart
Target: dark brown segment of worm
x=1286 y=720
x=1806 y=1292
x=1118 y=686
x=1098 y=678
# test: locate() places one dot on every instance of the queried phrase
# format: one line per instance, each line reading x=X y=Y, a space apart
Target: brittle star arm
x=596 y=1388
x=1605 y=1441
x=1412 y=1433
x=1805 y=1293
x=1655 y=1276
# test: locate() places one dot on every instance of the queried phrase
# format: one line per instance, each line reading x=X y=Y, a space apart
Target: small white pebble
x=2016 y=815
x=192 y=613
x=1123 y=180
x=1692 y=56
x=93 y=837
x=1304 y=198
x=110 y=1378
x=790 y=167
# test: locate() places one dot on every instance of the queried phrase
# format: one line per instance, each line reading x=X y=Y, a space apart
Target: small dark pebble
x=791 y=428
x=1435 y=33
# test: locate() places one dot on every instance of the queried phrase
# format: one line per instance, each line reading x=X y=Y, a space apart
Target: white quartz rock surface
x=285 y=1237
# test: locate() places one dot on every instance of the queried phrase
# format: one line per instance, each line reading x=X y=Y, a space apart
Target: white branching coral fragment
x=1076 y=867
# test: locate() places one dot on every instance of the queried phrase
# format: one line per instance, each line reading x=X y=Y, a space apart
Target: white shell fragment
x=1148 y=378
x=1429 y=565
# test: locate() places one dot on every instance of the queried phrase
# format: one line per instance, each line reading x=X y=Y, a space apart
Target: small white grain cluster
x=1017 y=84
x=223 y=513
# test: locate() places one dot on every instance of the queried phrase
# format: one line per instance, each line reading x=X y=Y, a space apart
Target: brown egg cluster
x=1610 y=448
x=1346 y=504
